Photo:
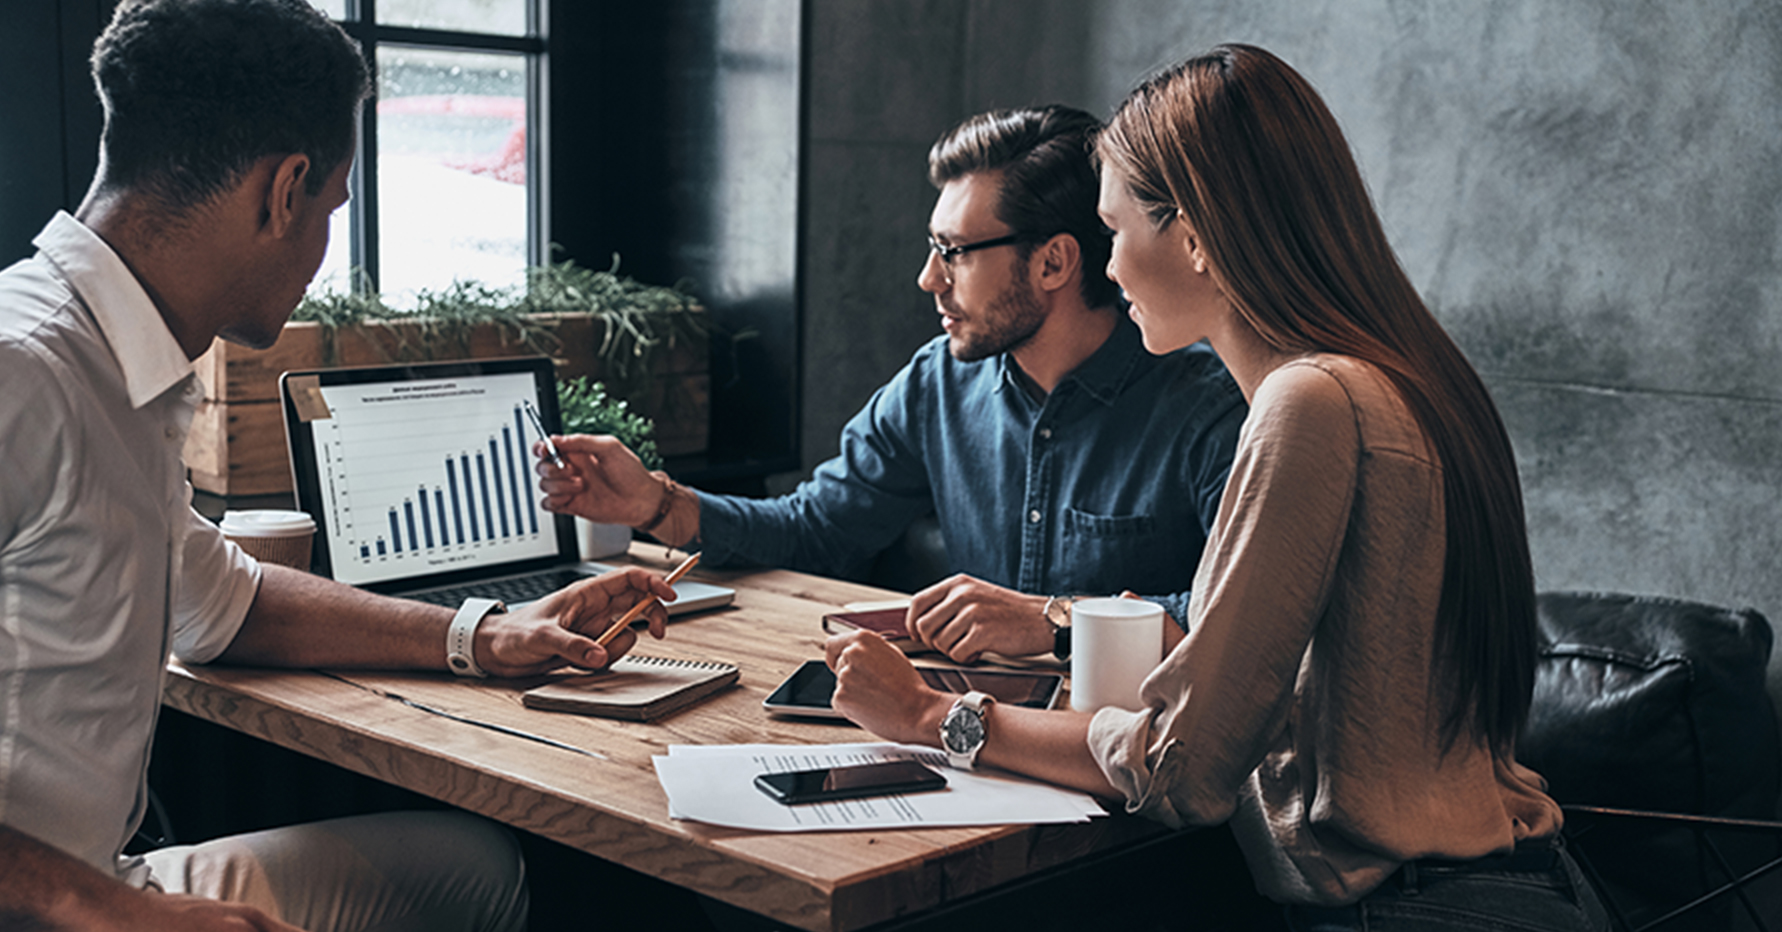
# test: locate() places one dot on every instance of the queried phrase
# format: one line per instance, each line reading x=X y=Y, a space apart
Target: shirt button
x=170 y=432
x=1045 y=433
x=1034 y=516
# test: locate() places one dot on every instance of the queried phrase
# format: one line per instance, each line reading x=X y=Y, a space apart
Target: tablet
x=807 y=690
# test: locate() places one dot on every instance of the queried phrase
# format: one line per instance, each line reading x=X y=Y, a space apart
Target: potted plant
x=645 y=343
x=586 y=408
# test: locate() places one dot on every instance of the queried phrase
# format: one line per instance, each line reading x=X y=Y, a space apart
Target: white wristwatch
x=963 y=731
x=460 y=637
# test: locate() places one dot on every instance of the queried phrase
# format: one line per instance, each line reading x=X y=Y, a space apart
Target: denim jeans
x=1465 y=897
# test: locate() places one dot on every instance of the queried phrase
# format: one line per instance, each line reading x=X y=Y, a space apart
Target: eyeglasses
x=949 y=253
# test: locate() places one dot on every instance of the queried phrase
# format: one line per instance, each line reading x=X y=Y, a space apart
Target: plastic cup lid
x=267 y=523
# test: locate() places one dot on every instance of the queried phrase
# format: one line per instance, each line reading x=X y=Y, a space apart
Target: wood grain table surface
x=589 y=783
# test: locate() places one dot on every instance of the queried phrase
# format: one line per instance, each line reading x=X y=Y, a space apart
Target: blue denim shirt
x=1109 y=483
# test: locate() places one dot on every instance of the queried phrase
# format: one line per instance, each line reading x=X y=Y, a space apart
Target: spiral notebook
x=635 y=688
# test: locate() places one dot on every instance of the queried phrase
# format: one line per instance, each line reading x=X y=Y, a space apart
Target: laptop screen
x=423 y=474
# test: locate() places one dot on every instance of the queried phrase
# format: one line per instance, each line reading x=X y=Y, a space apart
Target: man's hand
x=963 y=617
x=43 y=887
x=560 y=628
x=168 y=912
x=878 y=689
x=600 y=480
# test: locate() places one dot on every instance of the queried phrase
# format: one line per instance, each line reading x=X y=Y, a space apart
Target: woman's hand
x=878 y=689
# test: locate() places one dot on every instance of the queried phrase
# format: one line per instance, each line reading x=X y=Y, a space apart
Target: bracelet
x=460 y=637
x=664 y=507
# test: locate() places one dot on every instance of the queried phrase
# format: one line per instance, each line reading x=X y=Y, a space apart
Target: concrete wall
x=1588 y=193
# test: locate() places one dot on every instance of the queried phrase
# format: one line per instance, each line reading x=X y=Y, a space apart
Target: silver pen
x=538 y=422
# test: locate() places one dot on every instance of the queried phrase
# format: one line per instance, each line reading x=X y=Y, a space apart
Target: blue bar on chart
x=516 y=465
x=364 y=552
x=380 y=546
x=395 y=532
x=457 y=513
x=482 y=480
x=439 y=506
x=513 y=477
x=427 y=519
x=408 y=508
x=500 y=493
x=469 y=496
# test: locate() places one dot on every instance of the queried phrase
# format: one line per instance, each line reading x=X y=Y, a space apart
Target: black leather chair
x=1653 y=727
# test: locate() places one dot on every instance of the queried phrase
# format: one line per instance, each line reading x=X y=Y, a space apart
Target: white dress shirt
x=104 y=567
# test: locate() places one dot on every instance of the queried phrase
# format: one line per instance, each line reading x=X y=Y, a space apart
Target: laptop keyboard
x=512 y=591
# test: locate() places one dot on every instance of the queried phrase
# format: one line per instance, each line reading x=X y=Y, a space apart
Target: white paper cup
x=1114 y=645
x=282 y=537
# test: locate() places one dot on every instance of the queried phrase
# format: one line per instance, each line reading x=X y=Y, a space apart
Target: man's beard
x=1007 y=323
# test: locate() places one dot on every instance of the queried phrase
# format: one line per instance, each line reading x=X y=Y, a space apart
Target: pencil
x=638 y=609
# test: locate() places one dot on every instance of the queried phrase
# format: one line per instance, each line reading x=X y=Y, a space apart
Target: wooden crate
x=237 y=442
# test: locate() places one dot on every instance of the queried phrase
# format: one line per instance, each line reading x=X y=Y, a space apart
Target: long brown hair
x=1243 y=146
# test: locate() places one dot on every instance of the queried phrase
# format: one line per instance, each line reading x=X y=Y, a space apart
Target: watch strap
x=1057 y=614
x=976 y=704
x=461 y=636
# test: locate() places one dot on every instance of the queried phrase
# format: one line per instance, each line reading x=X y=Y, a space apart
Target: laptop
x=420 y=480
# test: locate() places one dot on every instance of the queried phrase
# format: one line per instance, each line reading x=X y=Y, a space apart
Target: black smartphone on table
x=852 y=782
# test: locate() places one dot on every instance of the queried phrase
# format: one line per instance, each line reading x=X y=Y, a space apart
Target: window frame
x=360 y=22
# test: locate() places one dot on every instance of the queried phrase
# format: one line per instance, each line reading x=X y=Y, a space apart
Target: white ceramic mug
x=1114 y=645
x=282 y=537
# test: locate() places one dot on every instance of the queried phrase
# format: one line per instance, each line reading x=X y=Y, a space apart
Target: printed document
x=716 y=784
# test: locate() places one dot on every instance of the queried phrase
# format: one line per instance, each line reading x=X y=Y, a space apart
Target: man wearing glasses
x=1059 y=457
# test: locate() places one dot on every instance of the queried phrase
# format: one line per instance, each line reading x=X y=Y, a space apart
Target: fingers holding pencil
x=626 y=619
x=562 y=628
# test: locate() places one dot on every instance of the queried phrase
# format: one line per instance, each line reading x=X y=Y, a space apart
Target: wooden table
x=611 y=805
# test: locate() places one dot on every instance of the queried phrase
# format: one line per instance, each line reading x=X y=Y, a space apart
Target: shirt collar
x=1105 y=372
x=147 y=354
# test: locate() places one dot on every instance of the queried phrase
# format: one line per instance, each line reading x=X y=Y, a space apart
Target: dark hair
x=1244 y=148
x=1048 y=183
x=197 y=91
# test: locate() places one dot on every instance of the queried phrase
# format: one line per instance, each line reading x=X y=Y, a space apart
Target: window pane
x=507 y=17
x=451 y=139
x=333 y=273
x=336 y=9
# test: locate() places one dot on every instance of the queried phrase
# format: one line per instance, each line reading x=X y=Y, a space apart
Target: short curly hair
x=196 y=91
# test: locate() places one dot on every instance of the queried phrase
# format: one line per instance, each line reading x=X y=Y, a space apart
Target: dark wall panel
x=676 y=145
x=49 y=119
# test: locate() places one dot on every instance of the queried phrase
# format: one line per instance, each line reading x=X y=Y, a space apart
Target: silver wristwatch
x=963 y=731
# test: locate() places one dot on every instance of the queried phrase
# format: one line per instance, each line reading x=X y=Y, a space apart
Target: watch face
x=962 y=731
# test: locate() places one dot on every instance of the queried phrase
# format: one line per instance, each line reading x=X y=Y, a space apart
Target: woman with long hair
x=1361 y=647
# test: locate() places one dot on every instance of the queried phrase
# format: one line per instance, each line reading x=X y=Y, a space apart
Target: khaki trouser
x=392 y=872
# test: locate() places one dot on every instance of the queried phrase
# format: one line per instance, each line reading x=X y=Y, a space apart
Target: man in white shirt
x=228 y=137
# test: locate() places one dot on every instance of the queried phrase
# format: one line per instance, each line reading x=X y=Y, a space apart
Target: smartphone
x=884 y=622
x=816 y=786
x=808 y=689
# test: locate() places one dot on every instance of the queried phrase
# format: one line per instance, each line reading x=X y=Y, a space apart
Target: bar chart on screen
x=430 y=475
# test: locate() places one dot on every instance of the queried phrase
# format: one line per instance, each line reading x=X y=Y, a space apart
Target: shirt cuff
x=1176 y=604
x=1118 y=739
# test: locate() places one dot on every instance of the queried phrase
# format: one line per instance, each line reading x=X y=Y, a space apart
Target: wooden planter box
x=237 y=442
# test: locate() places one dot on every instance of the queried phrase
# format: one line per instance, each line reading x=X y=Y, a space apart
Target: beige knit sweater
x=1302 y=705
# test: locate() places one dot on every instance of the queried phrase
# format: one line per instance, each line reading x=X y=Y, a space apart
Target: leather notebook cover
x=635 y=688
